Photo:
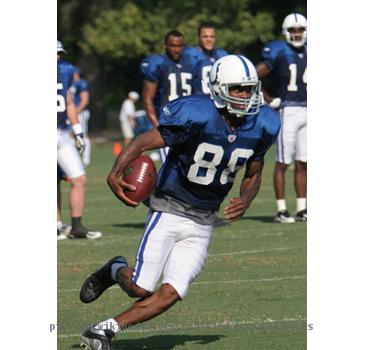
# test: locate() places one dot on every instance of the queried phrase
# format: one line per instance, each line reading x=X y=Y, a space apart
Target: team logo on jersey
x=212 y=59
x=178 y=65
x=144 y=64
x=231 y=138
x=300 y=55
x=166 y=110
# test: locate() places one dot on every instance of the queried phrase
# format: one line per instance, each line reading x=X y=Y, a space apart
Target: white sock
x=115 y=267
x=281 y=204
x=301 y=204
x=59 y=224
x=109 y=324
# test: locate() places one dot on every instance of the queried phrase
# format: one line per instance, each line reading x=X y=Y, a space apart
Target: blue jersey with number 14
x=64 y=82
x=205 y=154
x=289 y=67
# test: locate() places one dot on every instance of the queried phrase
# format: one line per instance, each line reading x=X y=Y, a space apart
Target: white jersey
x=127 y=109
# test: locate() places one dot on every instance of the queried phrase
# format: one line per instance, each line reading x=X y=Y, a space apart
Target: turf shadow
x=261 y=218
x=164 y=342
x=160 y=342
x=131 y=225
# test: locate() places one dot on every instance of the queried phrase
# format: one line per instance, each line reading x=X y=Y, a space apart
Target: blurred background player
x=286 y=61
x=204 y=57
x=210 y=140
x=127 y=116
x=81 y=98
x=68 y=158
x=165 y=78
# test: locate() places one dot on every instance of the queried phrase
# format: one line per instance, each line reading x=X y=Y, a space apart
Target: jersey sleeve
x=150 y=68
x=270 y=53
x=84 y=86
x=176 y=125
x=270 y=133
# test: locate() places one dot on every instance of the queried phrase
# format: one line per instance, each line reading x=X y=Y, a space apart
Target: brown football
x=140 y=172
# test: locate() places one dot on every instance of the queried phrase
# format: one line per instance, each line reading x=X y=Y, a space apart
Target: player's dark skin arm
x=249 y=188
x=263 y=71
x=148 y=94
x=149 y=140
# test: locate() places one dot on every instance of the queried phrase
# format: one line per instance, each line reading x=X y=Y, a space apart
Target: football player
x=210 y=139
x=204 y=57
x=165 y=78
x=68 y=157
x=286 y=61
x=81 y=97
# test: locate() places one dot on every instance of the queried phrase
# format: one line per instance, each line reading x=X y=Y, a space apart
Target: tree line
x=108 y=38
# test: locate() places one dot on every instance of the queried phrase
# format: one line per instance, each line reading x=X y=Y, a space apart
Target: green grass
x=251 y=294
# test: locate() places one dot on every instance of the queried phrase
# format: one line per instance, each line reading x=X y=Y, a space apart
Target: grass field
x=251 y=294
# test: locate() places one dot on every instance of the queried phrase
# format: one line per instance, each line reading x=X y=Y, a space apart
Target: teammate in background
x=286 y=61
x=210 y=140
x=81 y=97
x=68 y=158
x=127 y=116
x=165 y=78
x=204 y=57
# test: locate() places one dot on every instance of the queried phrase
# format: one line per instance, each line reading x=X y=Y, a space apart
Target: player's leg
x=300 y=176
x=70 y=162
x=141 y=311
x=127 y=130
x=154 y=248
x=285 y=149
x=167 y=295
x=61 y=234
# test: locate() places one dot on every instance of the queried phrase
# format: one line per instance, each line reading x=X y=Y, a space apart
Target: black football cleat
x=301 y=215
x=99 y=281
x=284 y=217
x=97 y=339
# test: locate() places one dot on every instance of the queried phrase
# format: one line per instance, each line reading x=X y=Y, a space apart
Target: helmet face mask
x=295 y=29
x=231 y=72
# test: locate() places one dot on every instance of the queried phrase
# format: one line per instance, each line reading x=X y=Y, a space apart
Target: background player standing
x=165 y=78
x=68 y=157
x=209 y=140
x=286 y=61
x=204 y=57
x=127 y=116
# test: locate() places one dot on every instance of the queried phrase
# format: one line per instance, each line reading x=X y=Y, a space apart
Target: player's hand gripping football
x=235 y=209
x=118 y=186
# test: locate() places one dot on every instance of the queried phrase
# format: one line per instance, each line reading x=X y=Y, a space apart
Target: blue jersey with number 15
x=173 y=78
x=64 y=82
x=205 y=154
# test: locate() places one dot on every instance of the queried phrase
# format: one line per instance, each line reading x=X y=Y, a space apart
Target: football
x=140 y=172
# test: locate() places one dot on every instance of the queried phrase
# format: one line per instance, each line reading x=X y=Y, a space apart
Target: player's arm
x=75 y=124
x=263 y=71
x=84 y=100
x=148 y=94
x=249 y=188
x=149 y=140
x=71 y=110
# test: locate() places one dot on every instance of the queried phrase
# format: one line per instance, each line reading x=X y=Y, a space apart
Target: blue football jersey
x=76 y=89
x=289 y=69
x=64 y=82
x=205 y=154
x=173 y=78
x=203 y=63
